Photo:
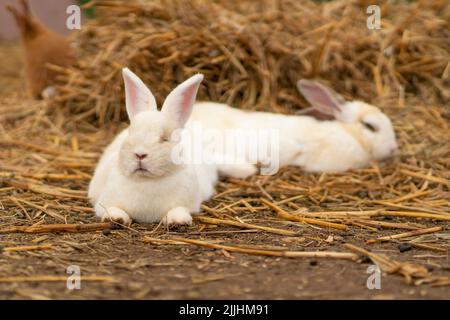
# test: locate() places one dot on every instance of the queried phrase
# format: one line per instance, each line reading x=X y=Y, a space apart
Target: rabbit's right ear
x=138 y=97
x=320 y=97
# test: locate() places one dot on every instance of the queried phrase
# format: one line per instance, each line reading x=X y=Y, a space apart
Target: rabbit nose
x=140 y=156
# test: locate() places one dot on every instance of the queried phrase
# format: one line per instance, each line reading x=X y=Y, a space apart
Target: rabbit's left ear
x=320 y=97
x=178 y=104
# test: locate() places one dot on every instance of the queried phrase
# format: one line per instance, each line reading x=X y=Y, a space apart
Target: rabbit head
x=146 y=150
x=369 y=125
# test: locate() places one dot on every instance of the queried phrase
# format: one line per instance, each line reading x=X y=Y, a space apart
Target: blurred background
x=51 y=12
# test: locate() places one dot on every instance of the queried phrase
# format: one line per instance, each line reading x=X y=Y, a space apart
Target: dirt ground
x=145 y=271
x=166 y=271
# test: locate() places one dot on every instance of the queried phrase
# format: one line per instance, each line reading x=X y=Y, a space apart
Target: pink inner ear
x=187 y=100
x=178 y=104
x=319 y=97
x=132 y=96
x=312 y=112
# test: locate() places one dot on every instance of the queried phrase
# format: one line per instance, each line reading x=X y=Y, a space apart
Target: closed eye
x=369 y=126
x=164 y=138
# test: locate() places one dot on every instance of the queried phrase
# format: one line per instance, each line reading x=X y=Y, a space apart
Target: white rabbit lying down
x=136 y=177
x=356 y=134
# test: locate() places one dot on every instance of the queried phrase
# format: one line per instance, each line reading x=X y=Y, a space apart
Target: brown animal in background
x=41 y=47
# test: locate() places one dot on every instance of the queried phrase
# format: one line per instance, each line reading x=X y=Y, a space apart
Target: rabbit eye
x=164 y=138
x=370 y=126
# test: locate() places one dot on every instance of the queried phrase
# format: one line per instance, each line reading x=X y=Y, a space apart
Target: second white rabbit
x=348 y=135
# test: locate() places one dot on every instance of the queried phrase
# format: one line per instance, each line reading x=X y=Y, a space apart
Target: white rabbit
x=352 y=134
x=136 y=178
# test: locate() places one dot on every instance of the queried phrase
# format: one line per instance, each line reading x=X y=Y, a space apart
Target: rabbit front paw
x=178 y=216
x=117 y=215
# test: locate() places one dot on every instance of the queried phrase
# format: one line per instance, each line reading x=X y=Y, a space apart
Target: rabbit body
x=148 y=200
x=41 y=46
x=314 y=145
x=45 y=48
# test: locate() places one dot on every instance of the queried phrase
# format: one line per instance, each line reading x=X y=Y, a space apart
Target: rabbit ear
x=313 y=112
x=320 y=97
x=17 y=15
x=26 y=8
x=179 y=102
x=138 y=97
x=23 y=19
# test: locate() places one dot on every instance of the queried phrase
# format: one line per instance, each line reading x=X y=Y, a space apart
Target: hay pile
x=253 y=52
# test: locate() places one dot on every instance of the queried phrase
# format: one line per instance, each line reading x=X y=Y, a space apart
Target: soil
x=150 y=271
x=144 y=271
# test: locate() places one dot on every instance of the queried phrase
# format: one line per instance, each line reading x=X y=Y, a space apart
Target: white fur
x=48 y=92
x=315 y=145
x=162 y=187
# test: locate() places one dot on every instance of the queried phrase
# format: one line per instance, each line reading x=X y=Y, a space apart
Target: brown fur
x=41 y=47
